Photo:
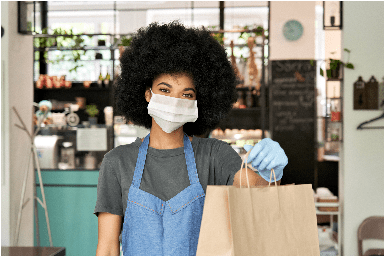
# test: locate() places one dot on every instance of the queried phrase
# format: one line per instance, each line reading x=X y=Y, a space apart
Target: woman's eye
x=166 y=90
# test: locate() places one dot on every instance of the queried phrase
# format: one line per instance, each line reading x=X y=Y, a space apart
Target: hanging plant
x=218 y=36
x=70 y=40
x=335 y=65
x=245 y=35
x=123 y=42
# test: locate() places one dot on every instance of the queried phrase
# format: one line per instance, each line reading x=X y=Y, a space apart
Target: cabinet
x=251 y=111
x=254 y=117
x=101 y=50
x=61 y=97
x=329 y=153
x=333 y=119
x=71 y=198
x=94 y=59
x=334 y=236
x=331 y=122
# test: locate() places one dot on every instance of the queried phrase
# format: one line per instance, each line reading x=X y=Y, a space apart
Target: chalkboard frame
x=305 y=76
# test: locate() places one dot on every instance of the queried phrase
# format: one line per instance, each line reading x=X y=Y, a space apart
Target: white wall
x=17 y=91
x=363 y=149
x=281 y=12
x=361 y=169
x=5 y=189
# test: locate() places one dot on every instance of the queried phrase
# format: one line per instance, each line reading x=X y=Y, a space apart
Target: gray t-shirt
x=165 y=171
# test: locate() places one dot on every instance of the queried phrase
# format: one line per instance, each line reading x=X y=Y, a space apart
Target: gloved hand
x=264 y=156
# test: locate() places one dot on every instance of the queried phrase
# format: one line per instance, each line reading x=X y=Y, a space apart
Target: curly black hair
x=174 y=49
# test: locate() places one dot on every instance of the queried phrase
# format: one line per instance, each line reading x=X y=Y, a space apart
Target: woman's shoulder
x=213 y=143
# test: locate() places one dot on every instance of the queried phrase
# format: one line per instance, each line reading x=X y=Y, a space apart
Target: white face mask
x=171 y=113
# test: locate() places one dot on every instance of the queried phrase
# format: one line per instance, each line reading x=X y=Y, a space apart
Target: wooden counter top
x=32 y=251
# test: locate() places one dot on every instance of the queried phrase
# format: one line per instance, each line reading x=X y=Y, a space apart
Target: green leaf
x=321 y=72
x=329 y=74
x=345 y=49
x=349 y=65
x=312 y=62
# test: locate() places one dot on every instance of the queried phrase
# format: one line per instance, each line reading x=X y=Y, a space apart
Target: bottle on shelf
x=335 y=110
x=249 y=99
x=107 y=79
x=100 y=79
x=240 y=99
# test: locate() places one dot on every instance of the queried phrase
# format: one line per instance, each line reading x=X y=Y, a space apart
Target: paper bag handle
x=246 y=170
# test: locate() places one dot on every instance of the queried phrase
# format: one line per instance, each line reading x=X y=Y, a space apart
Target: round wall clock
x=292 y=30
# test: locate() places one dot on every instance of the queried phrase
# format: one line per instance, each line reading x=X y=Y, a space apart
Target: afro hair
x=174 y=49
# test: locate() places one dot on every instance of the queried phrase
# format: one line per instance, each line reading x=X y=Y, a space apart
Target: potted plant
x=124 y=42
x=68 y=39
x=107 y=79
x=92 y=111
x=335 y=65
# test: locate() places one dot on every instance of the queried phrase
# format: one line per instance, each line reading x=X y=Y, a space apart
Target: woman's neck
x=161 y=140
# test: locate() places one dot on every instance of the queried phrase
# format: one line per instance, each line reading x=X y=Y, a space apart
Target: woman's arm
x=253 y=177
x=109 y=226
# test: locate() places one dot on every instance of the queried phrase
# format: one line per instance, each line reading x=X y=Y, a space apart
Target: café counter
x=71 y=198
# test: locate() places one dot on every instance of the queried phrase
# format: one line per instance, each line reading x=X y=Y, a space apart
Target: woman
x=178 y=83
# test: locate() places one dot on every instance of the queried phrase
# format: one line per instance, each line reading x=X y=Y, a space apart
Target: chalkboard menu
x=293 y=117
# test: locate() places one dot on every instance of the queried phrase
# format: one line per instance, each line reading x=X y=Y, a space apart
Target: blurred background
x=312 y=80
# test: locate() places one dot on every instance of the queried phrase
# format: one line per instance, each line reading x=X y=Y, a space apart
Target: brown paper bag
x=260 y=221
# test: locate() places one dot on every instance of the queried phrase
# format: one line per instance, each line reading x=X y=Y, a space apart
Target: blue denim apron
x=156 y=227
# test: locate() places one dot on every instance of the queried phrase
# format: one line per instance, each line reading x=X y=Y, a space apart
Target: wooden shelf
x=333 y=141
x=61 y=61
x=72 y=89
x=331 y=158
x=335 y=79
x=87 y=48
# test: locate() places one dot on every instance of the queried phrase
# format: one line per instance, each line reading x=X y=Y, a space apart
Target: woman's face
x=177 y=86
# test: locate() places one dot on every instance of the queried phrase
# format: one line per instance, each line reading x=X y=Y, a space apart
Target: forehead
x=177 y=79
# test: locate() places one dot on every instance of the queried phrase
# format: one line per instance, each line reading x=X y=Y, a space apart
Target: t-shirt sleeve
x=229 y=163
x=109 y=196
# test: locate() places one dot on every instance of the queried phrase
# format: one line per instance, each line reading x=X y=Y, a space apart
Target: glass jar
x=335 y=110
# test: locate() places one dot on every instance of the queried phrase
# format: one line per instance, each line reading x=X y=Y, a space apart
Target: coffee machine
x=48 y=150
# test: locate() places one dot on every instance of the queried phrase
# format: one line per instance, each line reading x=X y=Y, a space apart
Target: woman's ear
x=148 y=95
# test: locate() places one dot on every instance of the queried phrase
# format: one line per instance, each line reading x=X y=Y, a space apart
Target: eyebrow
x=170 y=86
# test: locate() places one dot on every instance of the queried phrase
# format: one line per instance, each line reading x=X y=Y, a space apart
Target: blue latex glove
x=265 y=155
